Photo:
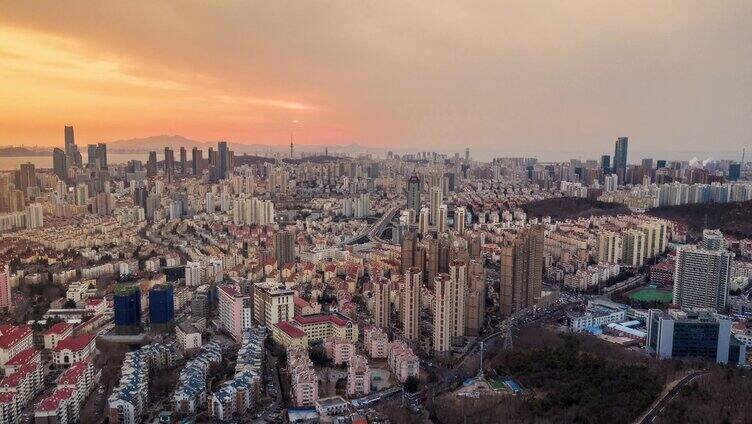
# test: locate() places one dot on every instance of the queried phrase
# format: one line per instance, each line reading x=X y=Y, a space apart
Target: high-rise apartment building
x=609 y=247
x=423 y=221
x=475 y=299
x=701 y=278
x=410 y=304
x=521 y=270
x=435 y=203
x=442 y=224
x=413 y=195
x=460 y=214
x=458 y=276
x=284 y=248
x=633 y=247
x=409 y=247
x=381 y=303
x=442 y=314
x=27 y=177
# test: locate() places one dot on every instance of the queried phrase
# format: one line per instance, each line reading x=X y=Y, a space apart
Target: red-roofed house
x=96 y=305
x=57 y=332
x=58 y=408
x=74 y=349
x=22 y=358
x=14 y=339
x=286 y=335
x=320 y=326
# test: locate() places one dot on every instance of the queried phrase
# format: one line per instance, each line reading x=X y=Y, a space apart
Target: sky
x=503 y=77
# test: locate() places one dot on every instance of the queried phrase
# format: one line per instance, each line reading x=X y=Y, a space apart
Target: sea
x=41 y=162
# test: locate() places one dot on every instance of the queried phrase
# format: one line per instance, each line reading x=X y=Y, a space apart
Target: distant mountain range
x=175 y=142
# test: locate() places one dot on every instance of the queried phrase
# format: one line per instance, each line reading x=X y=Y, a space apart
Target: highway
x=373 y=231
x=668 y=397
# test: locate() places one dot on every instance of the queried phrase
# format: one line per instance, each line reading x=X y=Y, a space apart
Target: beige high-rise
x=442 y=313
x=458 y=277
x=410 y=305
x=521 y=270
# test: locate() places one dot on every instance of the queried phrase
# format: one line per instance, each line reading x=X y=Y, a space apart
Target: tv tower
x=291 y=146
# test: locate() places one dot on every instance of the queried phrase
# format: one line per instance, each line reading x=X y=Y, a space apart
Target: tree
x=412 y=384
x=70 y=304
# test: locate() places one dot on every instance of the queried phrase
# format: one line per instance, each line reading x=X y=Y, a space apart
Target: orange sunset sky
x=504 y=75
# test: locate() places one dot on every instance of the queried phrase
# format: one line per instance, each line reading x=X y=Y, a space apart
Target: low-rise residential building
x=376 y=342
x=332 y=406
x=286 y=335
x=14 y=339
x=597 y=314
x=189 y=337
x=57 y=332
x=74 y=349
x=402 y=361
x=339 y=350
x=191 y=391
x=303 y=379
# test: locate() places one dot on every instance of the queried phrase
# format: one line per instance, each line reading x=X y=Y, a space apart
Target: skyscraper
x=701 y=278
x=197 y=161
x=410 y=305
x=183 y=161
x=59 y=164
x=27 y=177
x=620 y=157
x=151 y=164
x=102 y=151
x=71 y=150
x=521 y=270
x=169 y=164
x=413 y=195
x=606 y=164
x=223 y=160
x=734 y=172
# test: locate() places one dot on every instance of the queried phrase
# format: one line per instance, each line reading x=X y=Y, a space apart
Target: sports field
x=650 y=294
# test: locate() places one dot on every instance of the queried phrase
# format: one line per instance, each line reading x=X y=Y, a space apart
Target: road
x=668 y=397
x=373 y=231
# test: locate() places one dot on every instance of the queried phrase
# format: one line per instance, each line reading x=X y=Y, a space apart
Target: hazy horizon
x=542 y=79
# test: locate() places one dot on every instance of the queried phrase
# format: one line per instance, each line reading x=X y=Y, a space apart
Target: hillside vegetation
x=560 y=208
x=733 y=218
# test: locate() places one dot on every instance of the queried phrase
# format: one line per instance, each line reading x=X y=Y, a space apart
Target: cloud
x=503 y=76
